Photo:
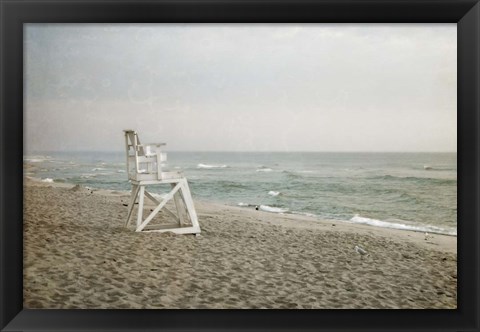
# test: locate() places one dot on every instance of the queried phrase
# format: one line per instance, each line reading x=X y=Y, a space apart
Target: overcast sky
x=242 y=87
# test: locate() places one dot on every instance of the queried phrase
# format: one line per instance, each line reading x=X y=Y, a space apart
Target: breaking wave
x=272 y=209
x=386 y=224
x=211 y=166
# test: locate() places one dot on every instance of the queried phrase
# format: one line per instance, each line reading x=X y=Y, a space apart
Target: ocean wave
x=396 y=225
x=292 y=175
x=299 y=173
x=264 y=170
x=48 y=180
x=273 y=193
x=305 y=214
x=265 y=208
x=211 y=166
x=223 y=184
x=37 y=159
x=272 y=209
x=34 y=160
x=438 y=168
x=88 y=175
x=98 y=169
x=415 y=178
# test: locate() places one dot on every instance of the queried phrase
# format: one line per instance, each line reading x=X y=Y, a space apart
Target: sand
x=77 y=254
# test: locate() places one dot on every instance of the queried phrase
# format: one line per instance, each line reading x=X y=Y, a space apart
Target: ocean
x=413 y=191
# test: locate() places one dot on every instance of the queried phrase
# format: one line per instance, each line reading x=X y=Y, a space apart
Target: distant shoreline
x=286 y=219
x=368 y=223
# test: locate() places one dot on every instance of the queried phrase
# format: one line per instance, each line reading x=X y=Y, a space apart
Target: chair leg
x=189 y=204
x=178 y=205
x=131 y=204
x=140 y=205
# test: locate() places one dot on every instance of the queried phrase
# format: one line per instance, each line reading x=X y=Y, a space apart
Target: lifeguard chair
x=144 y=168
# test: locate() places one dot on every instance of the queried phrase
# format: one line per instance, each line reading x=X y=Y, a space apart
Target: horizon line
x=250 y=151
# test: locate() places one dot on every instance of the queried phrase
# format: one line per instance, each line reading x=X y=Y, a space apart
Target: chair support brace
x=138 y=190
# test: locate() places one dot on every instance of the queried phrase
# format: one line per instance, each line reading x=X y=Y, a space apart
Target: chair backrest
x=143 y=160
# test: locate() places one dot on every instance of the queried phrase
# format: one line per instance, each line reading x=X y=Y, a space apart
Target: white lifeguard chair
x=144 y=168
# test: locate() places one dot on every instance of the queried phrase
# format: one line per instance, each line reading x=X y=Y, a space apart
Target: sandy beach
x=77 y=254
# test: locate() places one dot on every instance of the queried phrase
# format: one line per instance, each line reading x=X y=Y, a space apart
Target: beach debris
x=427 y=167
x=361 y=251
x=77 y=187
x=426 y=236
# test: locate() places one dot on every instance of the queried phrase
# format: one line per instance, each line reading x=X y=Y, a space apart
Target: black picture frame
x=14 y=13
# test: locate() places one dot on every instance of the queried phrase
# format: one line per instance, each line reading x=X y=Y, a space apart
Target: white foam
x=88 y=175
x=273 y=193
x=264 y=170
x=98 y=169
x=36 y=159
x=159 y=196
x=306 y=214
x=211 y=166
x=272 y=209
x=49 y=180
x=380 y=223
x=120 y=171
x=243 y=204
